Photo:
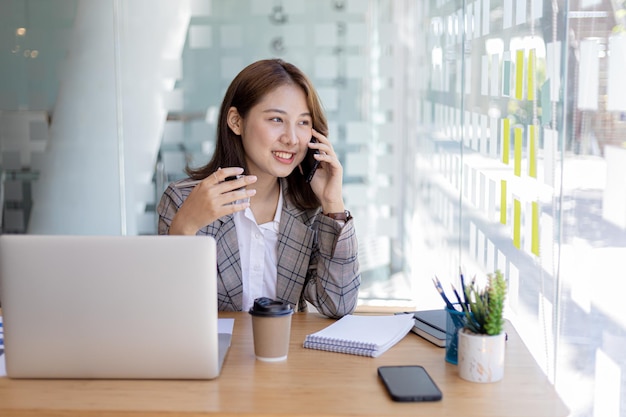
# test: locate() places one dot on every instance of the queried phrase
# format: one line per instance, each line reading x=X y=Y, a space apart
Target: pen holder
x=455 y=320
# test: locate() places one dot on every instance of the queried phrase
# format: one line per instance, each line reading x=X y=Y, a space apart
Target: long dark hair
x=245 y=91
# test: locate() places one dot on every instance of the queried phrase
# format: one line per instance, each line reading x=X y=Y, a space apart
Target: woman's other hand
x=212 y=198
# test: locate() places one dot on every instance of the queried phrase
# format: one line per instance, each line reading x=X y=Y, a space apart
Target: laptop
x=110 y=307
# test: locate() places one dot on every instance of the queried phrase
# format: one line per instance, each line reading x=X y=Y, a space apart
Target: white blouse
x=258 y=252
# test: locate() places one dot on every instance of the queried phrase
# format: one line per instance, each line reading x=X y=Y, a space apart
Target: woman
x=277 y=235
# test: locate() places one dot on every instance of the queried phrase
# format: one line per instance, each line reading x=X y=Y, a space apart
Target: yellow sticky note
x=503 y=201
x=517 y=161
x=532 y=151
x=506 y=140
x=519 y=74
x=517 y=223
x=534 y=246
x=530 y=85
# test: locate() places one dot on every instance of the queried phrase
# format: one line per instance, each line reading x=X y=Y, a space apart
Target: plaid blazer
x=317 y=257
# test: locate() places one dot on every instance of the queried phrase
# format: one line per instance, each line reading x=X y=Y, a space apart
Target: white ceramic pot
x=481 y=357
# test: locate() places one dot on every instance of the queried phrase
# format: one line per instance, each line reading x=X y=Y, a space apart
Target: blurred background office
x=475 y=134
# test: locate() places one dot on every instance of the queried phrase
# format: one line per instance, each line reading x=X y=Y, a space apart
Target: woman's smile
x=284 y=157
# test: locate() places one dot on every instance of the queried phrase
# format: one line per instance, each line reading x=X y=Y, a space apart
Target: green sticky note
x=519 y=74
x=532 y=151
x=534 y=247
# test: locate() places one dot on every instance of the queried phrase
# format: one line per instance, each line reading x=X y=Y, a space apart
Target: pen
x=187 y=183
x=464 y=303
x=442 y=293
x=463 y=306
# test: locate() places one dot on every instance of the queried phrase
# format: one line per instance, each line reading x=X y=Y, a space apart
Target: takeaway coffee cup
x=271 y=328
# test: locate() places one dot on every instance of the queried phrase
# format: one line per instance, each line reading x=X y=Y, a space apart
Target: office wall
x=81 y=112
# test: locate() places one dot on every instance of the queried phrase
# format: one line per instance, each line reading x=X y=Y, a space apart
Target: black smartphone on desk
x=409 y=383
x=309 y=164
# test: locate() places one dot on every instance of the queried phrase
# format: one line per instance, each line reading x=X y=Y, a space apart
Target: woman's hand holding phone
x=328 y=177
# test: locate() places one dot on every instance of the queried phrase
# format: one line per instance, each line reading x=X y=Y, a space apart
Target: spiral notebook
x=361 y=335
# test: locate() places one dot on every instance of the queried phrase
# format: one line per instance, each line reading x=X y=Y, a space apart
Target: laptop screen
x=109 y=306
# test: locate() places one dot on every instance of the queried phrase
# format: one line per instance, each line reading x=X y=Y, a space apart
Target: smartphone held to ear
x=409 y=383
x=310 y=164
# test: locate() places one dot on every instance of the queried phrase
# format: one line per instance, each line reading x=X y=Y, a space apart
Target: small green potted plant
x=482 y=339
x=484 y=310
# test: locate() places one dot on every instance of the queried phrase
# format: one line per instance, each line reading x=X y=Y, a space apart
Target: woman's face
x=276 y=132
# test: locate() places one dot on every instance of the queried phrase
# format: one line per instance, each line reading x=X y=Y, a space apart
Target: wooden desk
x=309 y=383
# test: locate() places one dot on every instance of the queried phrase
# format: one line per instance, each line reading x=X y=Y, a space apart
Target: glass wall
x=475 y=134
x=519 y=167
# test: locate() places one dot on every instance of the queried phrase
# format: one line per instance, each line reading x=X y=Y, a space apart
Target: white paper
x=491 y=256
x=484 y=75
x=520 y=12
x=588 y=79
x=553 y=67
x=507 y=18
x=486 y=11
x=537 y=9
x=477 y=16
x=550 y=138
x=614 y=197
x=527 y=226
x=616 y=85
x=493 y=137
x=484 y=138
x=495 y=75
x=480 y=255
x=475 y=131
x=362 y=335
x=482 y=191
x=469 y=21
x=225 y=325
